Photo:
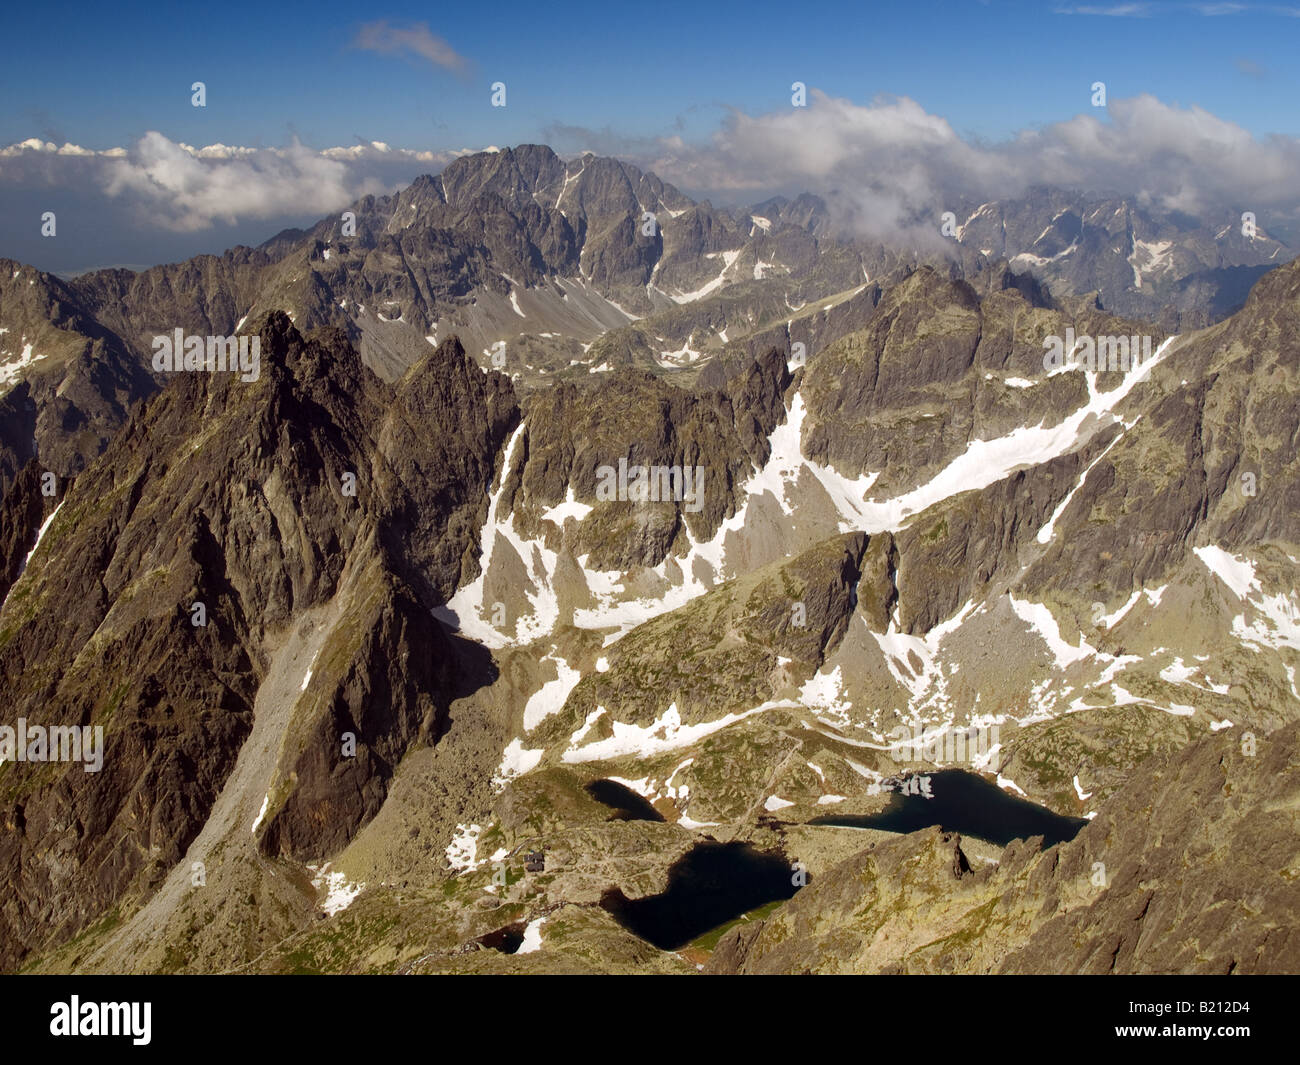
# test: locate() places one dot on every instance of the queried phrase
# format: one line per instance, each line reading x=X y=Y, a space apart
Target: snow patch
x=1039 y=618
x=532 y=937
x=1237 y=573
x=516 y=760
x=10 y=372
x=462 y=851
x=552 y=695
x=339 y=894
x=570 y=508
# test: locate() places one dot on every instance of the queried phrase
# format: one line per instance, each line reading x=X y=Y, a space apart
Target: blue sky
x=102 y=75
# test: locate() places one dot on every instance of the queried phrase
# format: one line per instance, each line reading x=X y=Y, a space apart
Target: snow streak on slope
x=40 y=535
x=465 y=609
x=728 y=258
x=986 y=462
x=824 y=692
x=783 y=467
x=666 y=733
x=570 y=508
x=1045 y=533
x=1039 y=618
x=515 y=761
x=532 y=936
x=551 y=697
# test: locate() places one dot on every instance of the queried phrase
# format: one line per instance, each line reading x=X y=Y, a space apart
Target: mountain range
x=388 y=682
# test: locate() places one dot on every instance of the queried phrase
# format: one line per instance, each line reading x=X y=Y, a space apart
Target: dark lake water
x=626 y=803
x=710 y=885
x=970 y=804
x=507 y=940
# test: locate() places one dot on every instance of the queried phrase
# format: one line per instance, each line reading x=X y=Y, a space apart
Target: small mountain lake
x=967 y=803
x=626 y=803
x=711 y=884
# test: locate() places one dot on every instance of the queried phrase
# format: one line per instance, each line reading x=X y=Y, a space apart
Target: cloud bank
x=180 y=187
x=884 y=167
x=890 y=162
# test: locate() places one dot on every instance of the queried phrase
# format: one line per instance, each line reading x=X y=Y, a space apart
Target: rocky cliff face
x=576 y=440
x=225 y=511
x=67 y=381
x=937 y=366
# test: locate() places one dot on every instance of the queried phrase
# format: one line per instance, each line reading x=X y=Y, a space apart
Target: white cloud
x=1109 y=10
x=180 y=187
x=194 y=189
x=890 y=162
x=416 y=39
